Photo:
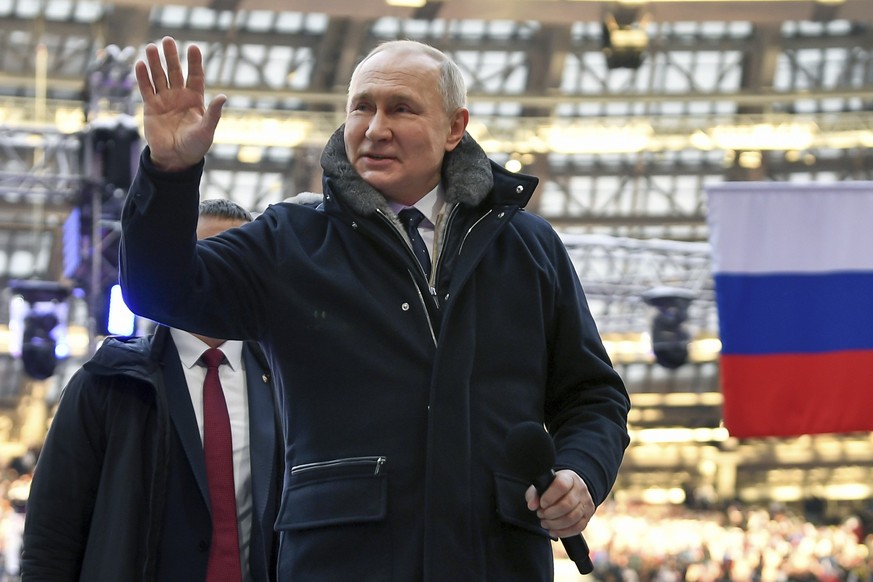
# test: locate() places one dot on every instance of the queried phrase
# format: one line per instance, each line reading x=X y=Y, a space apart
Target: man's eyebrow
x=394 y=95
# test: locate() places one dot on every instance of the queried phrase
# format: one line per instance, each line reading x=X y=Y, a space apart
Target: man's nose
x=379 y=127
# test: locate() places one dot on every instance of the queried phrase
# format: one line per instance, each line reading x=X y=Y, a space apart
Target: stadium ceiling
x=626 y=110
x=551 y=11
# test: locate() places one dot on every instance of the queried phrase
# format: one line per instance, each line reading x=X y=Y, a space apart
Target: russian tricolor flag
x=793 y=269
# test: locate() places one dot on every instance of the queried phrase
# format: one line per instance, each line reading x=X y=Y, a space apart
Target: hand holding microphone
x=531 y=453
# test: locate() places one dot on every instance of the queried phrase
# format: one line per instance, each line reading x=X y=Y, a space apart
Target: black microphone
x=531 y=455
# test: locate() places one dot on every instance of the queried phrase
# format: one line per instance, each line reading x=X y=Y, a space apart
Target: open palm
x=178 y=127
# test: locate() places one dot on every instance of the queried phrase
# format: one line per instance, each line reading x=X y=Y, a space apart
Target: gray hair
x=452 y=86
x=225 y=209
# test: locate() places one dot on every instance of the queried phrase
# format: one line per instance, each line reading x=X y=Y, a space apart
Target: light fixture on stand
x=624 y=37
x=670 y=339
x=38 y=325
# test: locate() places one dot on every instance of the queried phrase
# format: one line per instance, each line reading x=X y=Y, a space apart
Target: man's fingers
x=174 y=65
x=143 y=80
x=560 y=487
x=196 y=77
x=561 y=523
x=566 y=507
x=156 y=69
x=532 y=499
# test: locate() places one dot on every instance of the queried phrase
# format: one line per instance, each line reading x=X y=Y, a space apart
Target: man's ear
x=459 y=120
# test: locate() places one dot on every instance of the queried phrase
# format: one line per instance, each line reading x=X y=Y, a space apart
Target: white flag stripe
x=775 y=227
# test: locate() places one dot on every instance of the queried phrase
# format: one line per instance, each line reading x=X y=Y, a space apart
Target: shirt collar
x=191 y=348
x=430 y=205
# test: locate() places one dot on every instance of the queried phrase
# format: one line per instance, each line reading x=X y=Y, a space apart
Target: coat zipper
x=438 y=233
x=469 y=230
x=378 y=461
x=424 y=306
x=408 y=246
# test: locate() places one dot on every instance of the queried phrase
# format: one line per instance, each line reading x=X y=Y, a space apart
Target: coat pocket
x=511 y=505
x=335 y=492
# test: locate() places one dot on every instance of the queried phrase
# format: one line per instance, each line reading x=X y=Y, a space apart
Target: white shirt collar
x=430 y=205
x=191 y=348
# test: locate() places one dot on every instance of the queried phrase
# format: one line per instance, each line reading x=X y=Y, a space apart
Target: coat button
x=405 y=306
x=446 y=298
x=501 y=215
x=519 y=189
x=203 y=545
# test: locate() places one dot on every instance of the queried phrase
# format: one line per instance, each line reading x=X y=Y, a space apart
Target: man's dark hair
x=223 y=208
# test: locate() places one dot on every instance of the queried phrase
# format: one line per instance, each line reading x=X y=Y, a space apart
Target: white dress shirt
x=431 y=206
x=233 y=383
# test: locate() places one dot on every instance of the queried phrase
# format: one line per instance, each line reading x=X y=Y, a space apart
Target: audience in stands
x=664 y=543
x=674 y=544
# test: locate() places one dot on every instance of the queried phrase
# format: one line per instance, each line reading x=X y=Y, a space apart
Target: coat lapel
x=262 y=432
x=184 y=421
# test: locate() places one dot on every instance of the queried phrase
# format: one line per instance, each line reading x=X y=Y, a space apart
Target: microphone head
x=530 y=450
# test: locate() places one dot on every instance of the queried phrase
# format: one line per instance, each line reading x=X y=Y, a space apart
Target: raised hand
x=178 y=126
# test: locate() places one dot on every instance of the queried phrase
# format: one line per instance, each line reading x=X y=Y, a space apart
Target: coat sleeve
x=158 y=241
x=217 y=287
x=64 y=485
x=587 y=403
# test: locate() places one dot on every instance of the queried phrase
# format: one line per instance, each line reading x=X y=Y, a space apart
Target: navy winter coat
x=398 y=392
x=119 y=489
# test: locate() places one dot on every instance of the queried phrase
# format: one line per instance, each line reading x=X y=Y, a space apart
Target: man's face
x=397 y=130
x=212 y=225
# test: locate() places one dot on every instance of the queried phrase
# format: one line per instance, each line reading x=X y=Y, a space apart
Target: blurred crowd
x=14 y=489
x=744 y=544
x=638 y=542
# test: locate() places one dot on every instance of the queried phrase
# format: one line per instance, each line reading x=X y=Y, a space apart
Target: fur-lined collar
x=466 y=176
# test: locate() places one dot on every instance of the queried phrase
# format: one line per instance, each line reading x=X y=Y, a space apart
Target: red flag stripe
x=795 y=394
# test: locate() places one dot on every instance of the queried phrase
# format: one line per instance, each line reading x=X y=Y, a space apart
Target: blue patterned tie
x=411 y=218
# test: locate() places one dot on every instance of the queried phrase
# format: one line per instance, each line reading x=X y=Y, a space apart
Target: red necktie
x=224 y=560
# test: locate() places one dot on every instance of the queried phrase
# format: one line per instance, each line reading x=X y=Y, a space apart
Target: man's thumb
x=213 y=113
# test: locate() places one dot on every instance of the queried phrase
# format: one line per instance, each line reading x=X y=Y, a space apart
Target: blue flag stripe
x=795 y=313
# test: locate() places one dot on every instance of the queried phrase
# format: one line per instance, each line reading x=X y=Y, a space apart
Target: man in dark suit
x=121 y=489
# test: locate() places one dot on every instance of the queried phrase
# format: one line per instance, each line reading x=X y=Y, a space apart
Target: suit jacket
x=120 y=491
